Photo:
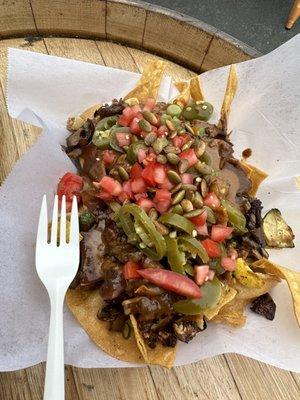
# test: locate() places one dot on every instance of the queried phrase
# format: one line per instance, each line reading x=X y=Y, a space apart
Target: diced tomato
x=142 y=154
x=200 y=219
x=162 y=131
x=212 y=248
x=123 y=139
x=187 y=179
x=179 y=141
x=189 y=155
x=143 y=134
x=139 y=196
x=232 y=253
x=136 y=171
x=211 y=200
x=151 y=157
x=123 y=196
x=123 y=121
x=211 y=274
x=136 y=110
x=201 y=274
x=146 y=204
x=172 y=281
x=149 y=105
x=108 y=157
x=111 y=185
x=128 y=112
x=167 y=184
x=202 y=230
x=138 y=185
x=159 y=173
x=219 y=232
x=162 y=200
x=154 y=129
x=104 y=195
x=130 y=270
x=228 y=263
x=134 y=126
x=148 y=174
x=70 y=185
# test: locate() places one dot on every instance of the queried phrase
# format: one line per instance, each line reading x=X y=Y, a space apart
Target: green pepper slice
x=101 y=139
x=176 y=258
x=132 y=152
x=189 y=269
x=193 y=246
x=211 y=291
x=177 y=221
x=106 y=123
x=235 y=216
x=132 y=210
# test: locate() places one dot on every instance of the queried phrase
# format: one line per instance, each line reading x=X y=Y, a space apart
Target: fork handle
x=55 y=376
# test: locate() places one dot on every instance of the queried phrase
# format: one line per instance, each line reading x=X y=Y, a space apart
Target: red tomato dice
x=151 y=157
x=128 y=112
x=232 y=253
x=179 y=141
x=138 y=185
x=146 y=204
x=187 y=179
x=149 y=105
x=123 y=139
x=108 y=157
x=111 y=185
x=201 y=274
x=200 y=219
x=142 y=154
x=162 y=200
x=148 y=174
x=172 y=281
x=123 y=196
x=167 y=184
x=211 y=200
x=212 y=248
x=123 y=120
x=136 y=171
x=202 y=230
x=136 y=110
x=228 y=263
x=70 y=185
x=211 y=274
x=134 y=126
x=159 y=173
x=219 y=233
x=104 y=195
x=189 y=155
x=162 y=131
x=130 y=270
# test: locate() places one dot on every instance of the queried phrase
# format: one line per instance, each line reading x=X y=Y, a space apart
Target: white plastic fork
x=56 y=265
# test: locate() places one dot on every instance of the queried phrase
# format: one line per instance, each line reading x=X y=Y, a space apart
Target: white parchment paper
x=45 y=90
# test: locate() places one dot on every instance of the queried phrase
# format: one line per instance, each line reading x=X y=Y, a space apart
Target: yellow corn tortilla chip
x=246 y=276
x=231 y=88
x=84 y=305
x=228 y=294
x=160 y=355
x=233 y=312
x=149 y=83
x=292 y=278
x=183 y=98
x=255 y=175
x=195 y=89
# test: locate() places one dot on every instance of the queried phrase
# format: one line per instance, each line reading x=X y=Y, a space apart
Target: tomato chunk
x=211 y=200
x=111 y=185
x=200 y=219
x=123 y=139
x=70 y=185
x=228 y=263
x=149 y=105
x=201 y=274
x=146 y=204
x=108 y=157
x=130 y=270
x=136 y=171
x=134 y=126
x=212 y=248
x=162 y=131
x=138 y=185
x=172 y=281
x=187 y=178
x=162 y=200
x=159 y=173
x=148 y=174
x=189 y=155
x=179 y=141
x=142 y=154
x=219 y=232
x=202 y=230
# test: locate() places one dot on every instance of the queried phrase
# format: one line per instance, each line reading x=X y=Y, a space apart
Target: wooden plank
x=207 y=379
x=83 y=18
x=16 y=18
x=117 y=56
x=175 y=38
x=124 y=383
x=225 y=50
x=256 y=380
x=14 y=386
x=125 y=22
x=296 y=378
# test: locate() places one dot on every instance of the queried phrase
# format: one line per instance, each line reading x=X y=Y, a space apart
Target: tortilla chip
x=183 y=98
x=255 y=175
x=245 y=276
x=160 y=355
x=149 y=82
x=84 y=305
x=233 y=312
x=292 y=278
x=228 y=293
x=231 y=88
x=195 y=89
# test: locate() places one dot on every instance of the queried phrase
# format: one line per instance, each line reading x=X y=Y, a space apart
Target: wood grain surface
x=226 y=377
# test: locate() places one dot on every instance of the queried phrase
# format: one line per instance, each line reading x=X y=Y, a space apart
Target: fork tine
x=54 y=222
x=42 y=234
x=74 y=229
x=63 y=221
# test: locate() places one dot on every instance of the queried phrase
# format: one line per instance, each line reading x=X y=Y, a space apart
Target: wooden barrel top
x=231 y=377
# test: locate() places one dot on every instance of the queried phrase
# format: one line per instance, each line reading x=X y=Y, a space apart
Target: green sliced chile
x=211 y=292
x=178 y=222
x=176 y=258
x=193 y=246
x=132 y=152
x=235 y=216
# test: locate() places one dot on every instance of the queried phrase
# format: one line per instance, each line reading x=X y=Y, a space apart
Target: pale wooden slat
x=14 y=386
x=126 y=383
x=83 y=18
x=207 y=379
x=125 y=22
x=176 y=39
x=116 y=56
x=256 y=380
x=296 y=378
x=16 y=18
